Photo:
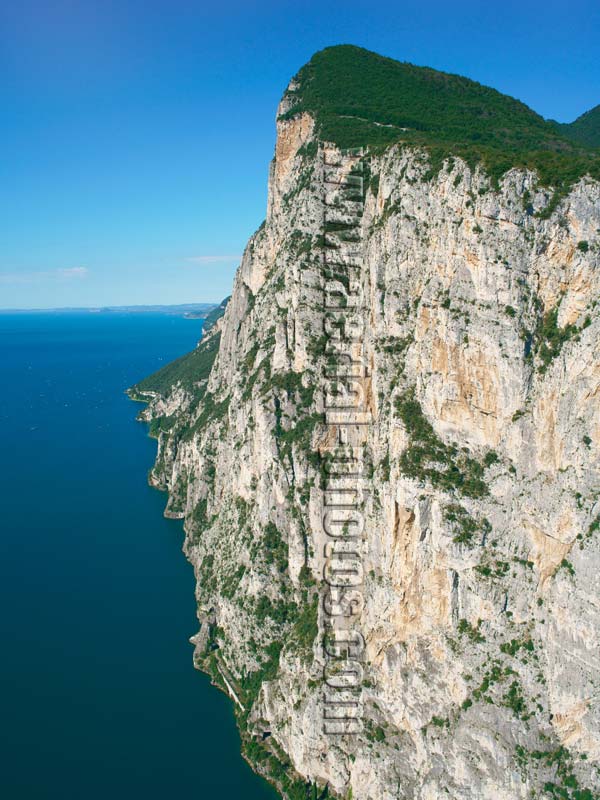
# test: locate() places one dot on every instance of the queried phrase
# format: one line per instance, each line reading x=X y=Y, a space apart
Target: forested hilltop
x=359 y=98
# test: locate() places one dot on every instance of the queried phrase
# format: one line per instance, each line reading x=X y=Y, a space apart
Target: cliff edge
x=469 y=228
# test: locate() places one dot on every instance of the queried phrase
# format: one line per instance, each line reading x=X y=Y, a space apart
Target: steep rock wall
x=482 y=610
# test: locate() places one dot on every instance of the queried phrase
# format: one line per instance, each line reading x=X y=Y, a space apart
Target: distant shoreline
x=191 y=310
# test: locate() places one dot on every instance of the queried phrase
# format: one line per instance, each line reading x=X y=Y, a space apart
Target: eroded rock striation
x=481 y=614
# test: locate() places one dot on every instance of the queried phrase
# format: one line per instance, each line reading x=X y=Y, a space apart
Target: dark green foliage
x=464 y=525
x=396 y=345
x=566 y=565
x=491 y=457
x=564 y=784
x=279 y=612
x=583 y=246
x=199 y=512
x=514 y=700
x=275 y=549
x=215 y=315
x=466 y=629
x=291 y=383
x=510 y=311
x=316 y=346
x=263 y=371
x=305 y=577
x=594 y=526
x=512 y=648
x=585 y=129
x=309 y=150
x=160 y=425
x=250 y=357
x=206 y=576
x=178 y=492
x=301 y=432
x=428 y=458
x=496 y=570
x=306 y=628
x=379 y=734
x=211 y=410
x=524 y=562
x=496 y=674
x=362 y=99
x=414 y=419
x=374 y=733
x=385 y=467
x=549 y=338
x=272 y=762
x=252 y=683
x=231 y=582
x=187 y=370
x=300 y=243
x=199 y=518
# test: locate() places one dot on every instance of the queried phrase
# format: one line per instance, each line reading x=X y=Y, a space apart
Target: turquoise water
x=99 y=696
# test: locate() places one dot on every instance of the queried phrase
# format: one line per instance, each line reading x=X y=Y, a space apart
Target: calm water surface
x=99 y=696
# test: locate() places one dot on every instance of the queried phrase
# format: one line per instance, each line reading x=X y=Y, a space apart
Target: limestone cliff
x=481 y=614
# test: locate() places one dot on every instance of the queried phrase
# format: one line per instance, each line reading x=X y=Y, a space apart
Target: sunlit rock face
x=482 y=612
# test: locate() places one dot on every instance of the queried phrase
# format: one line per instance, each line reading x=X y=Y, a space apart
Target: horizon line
x=100 y=308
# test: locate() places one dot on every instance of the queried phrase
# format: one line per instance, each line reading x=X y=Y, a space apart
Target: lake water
x=99 y=695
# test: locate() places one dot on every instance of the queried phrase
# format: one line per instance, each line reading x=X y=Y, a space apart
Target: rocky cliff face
x=481 y=556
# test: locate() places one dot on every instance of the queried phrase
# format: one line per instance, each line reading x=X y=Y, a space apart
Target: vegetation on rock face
x=269 y=760
x=465 y=628
x=275 y=548
x=190 y=369
x=359 y=98
x=428 y=458
x=187 y=370
x=465 y=526
x=215 y=315
x=549 y=338
x=559 y=764
x=160 y=425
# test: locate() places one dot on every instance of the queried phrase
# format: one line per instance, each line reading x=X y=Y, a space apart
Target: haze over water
x=100 y=698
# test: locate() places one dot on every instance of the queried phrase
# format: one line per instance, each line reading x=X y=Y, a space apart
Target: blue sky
x=136 y=135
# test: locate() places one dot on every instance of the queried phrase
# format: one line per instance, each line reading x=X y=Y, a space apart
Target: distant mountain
x=585 y=129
